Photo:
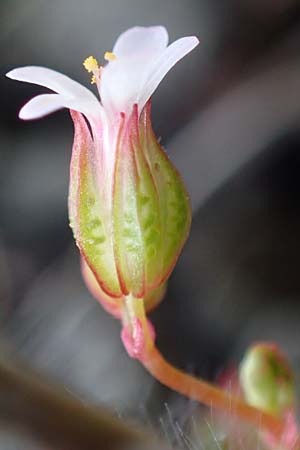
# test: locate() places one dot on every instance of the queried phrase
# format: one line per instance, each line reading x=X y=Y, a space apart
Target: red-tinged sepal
x=173 y=202
x=128 y=238
x=89 y=217
x=113 y=305
x=151 y=210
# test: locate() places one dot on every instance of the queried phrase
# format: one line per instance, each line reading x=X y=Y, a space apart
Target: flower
x=128 y=208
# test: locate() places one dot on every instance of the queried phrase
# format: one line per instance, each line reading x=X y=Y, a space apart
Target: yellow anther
x=91 y=64
x=109 y=56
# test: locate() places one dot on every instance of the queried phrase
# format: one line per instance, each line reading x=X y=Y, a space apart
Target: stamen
x=91 y=64
x=109 y=56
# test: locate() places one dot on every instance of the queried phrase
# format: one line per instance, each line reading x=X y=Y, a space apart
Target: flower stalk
x=208 y=394
x=186 y=384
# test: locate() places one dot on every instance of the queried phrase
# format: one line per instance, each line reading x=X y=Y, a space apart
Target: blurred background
x=229 y=116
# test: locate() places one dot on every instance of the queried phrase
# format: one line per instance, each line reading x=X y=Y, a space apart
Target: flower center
x=92 y=66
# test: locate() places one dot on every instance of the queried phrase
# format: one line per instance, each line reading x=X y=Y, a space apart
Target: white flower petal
x=122 y=78
x=138 y=40
x=174 y=53
x=81 y=98
x=120 y=85
x=50 y=79
x=40 y=106
x=142 y=62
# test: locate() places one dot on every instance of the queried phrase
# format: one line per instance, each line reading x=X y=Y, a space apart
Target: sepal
x=90 y=218
x=151 y=209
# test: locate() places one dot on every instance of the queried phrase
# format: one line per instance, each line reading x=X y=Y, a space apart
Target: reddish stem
x=211 y=396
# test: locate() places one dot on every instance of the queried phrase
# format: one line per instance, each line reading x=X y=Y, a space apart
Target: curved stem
x=134 y=317
x=204 y=392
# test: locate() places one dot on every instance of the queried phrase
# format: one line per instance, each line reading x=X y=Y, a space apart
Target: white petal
x=123 y=78
x=50 y=79
x=44 y=104
x=142 y=61
x=121 y=84
x=138 y=40
x=40 y=106
x=81 y=98
x=174 y=53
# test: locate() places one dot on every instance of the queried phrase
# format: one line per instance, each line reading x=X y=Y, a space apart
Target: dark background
x=229 y=115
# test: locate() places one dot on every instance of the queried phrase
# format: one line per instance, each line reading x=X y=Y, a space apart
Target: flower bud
x=267 y=379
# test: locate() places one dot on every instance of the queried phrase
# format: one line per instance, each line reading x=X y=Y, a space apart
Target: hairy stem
x=188 y=385
x=208 y=394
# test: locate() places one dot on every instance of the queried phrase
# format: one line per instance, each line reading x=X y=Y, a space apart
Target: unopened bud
x=267 y=379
